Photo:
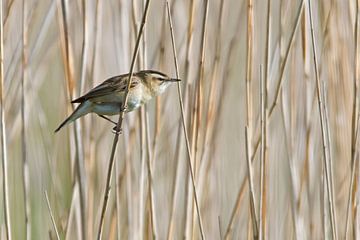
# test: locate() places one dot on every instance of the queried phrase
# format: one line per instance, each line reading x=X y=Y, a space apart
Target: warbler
x=107 y=98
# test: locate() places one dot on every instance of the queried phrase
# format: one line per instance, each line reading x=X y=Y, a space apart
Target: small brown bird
x=107 y=98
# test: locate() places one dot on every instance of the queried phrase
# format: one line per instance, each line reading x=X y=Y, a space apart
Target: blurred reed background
x=245 y=64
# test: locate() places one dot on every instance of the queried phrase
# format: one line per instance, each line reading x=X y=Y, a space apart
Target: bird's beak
x=174 y=80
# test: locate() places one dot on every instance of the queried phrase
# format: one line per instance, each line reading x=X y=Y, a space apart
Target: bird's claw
x=123 y=109
x=114 y=130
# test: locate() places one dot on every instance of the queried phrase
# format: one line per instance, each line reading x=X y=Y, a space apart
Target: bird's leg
x=114 y=128
x=122 y=109
x=106 y=118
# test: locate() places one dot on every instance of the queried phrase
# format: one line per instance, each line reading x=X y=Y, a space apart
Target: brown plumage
x=107 y=97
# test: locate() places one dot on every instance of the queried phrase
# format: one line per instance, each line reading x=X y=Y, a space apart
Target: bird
x=107 y=98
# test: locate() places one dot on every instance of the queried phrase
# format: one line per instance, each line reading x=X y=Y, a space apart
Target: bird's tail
x=81 y=110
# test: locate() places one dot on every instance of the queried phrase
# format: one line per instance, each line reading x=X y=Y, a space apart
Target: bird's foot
x=123 y=109
x=114 y=130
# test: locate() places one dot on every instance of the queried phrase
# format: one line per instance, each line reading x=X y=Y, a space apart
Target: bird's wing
x=109 y=86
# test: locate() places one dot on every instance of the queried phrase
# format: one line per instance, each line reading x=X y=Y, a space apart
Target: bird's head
x=157 y=81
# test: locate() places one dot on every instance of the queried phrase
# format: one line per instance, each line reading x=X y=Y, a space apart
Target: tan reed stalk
x=117 y=199
x=184 y=127
x=249 y=62
x=178 y=151
x=69 y=220
x=39 y=40
x=267 y=55
x=249 y=112
x=235 y=209
x=118 y=176
x=158 y=99
x=4 y=158
x=112 y=231
x=210 y=110
x=187 y=100
x=355 y=190
x=216 y=131
x=150 y=156
x=282 y=71
x=25 y=164
x=129 y=149
x=354 y=123
x=264 y=126
x=193 y=109
x=219 y=225
x=198 y=110
x=174 y=192
x=119 y=124
x=323 y=129
x=96 y=38
x=199 y=87
x=52 y=216
x=289 y=152
x=179 y=141
x=262 y=200
x=142 y=212
x=142 y=209
x=283 y=63
x=92 y=75
x=252 y=208
x=328 y=138
x=92 y=139
x=9 y=7
x=79 y=158
x=84 y=47
x=151 y=196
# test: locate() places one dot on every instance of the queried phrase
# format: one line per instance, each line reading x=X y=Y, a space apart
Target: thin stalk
x=249 y=113
x=235 y=209
x=142 y=183
x=323 y=128
x=216 y=131
x=187 y=97
x=267 y=53
x=178 y=151
x=328 y=138
x=25 y=164
x=199 y=102
x=249 y=62
x=263 y=107
x=354 y=123
x=150 y=154
x=52 y=216
x=289 y=153
x=262 y=208
x=4 y=158
x=69 y=220
x=148 y=199
x=150 y=177
x=96 y=38
x=251 y=186
x=287 y=53
x=84 y=48
x=119 y=123
x=214 y=84
x=184 y=125
x=79 y=158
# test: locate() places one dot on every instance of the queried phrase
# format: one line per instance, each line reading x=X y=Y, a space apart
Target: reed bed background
x=270 y=91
